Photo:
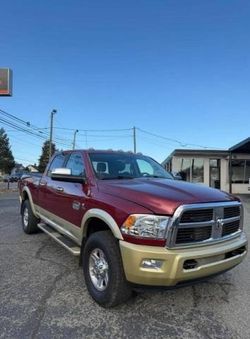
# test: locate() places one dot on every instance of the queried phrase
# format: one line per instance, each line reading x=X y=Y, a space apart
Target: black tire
x=29 y=220
x=117 y=289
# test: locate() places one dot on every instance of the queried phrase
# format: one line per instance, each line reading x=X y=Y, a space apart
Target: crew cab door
x=64 y=202
x=46 y=190
x=70 y=197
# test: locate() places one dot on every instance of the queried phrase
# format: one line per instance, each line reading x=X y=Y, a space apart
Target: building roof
x=241 y=147
x=196 y=152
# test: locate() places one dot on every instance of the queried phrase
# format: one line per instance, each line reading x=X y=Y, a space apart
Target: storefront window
x=214 y=173
x=247 y=172
x=190 y=169
x=197 y=170
x=185 y=169
x=240 y=171
x=177 y=164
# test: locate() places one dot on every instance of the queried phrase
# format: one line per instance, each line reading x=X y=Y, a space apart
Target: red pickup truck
x=131 y=223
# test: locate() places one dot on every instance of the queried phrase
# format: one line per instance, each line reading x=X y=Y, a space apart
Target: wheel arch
x=89 y=225
x=26 y=195
x=105 y=220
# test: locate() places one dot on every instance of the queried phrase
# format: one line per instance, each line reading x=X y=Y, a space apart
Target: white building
x=227 y=170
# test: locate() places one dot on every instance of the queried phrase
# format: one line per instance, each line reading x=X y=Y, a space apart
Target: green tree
x=6 y=157
x=44 y=158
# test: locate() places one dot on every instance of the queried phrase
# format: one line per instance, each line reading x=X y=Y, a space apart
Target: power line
x=19 y=128
x=105 y=136
x=27 y=123
x=42 y=133
x=90 y=130
x=23 y=141
x=29 y=131
x=155 y=142
x=181 y=143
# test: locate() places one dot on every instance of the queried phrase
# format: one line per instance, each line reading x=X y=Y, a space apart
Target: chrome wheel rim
x=98 y=269
x=26 y=217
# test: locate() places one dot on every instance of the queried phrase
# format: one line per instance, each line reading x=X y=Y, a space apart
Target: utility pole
x=51 y=131
x=74 y=140
x=134 y=138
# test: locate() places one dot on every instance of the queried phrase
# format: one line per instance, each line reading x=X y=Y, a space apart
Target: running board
x=69 y=244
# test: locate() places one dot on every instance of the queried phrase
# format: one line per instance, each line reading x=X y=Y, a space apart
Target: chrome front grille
x=204 y=223
x=197 y=215
x=230 y=227
x=230 y=212
x=193 y=234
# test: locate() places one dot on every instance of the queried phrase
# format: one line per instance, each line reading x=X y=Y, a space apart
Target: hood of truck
x=162 y=196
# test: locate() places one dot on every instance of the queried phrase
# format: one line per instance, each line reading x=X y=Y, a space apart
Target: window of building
x=190 y=169
x=185 y=171
x=197 y=170
x=240 y=171
x=247 y=172
x=214 y=173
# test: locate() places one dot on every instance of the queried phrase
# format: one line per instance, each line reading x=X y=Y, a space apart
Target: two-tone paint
x=75 y=209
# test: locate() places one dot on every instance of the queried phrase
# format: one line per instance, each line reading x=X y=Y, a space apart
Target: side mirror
x=64 y=174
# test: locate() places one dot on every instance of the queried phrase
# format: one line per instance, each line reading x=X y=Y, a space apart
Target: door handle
x=59 y=189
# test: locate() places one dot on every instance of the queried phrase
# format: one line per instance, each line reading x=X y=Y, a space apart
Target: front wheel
x=103 y=270
x=29 y=220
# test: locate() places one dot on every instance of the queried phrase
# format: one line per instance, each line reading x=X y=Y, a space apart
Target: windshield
x=108 y=166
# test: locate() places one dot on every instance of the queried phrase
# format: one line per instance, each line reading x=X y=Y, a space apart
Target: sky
x=179 y=70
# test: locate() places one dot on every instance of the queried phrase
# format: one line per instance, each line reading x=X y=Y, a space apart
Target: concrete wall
x=240 y=188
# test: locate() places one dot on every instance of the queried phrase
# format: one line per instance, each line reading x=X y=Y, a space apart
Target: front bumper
x=210 y=259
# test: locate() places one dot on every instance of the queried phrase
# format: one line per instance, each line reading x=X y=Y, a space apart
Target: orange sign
x=5 y=82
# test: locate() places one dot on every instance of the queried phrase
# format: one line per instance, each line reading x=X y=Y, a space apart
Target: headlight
x=145 y=225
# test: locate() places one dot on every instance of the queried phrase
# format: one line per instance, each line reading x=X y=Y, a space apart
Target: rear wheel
x=103 y=270
x=29 y=220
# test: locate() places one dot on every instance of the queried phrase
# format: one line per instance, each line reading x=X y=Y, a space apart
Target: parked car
x=15 y=177
x=131 y=223
x=6 y=178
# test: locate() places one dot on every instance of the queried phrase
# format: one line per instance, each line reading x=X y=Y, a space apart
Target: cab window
x=76 y=165
x=57 y=162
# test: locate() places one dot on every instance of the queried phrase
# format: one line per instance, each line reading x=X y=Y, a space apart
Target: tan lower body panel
x=210 y=260
x=61 y=225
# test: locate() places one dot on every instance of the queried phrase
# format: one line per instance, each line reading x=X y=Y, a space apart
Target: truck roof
x=92 y=150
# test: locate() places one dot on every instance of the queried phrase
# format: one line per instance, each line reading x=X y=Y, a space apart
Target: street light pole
x=134 y=138
x=51 y=131
x=74 y=140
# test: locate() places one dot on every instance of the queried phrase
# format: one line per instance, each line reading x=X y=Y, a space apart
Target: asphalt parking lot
x=43 y=295
x=5 y=186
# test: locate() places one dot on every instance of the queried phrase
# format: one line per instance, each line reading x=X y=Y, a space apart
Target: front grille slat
x=230 y=212
x=193 y=234
x=230 y=228
x=196 y=224
x=197 y=216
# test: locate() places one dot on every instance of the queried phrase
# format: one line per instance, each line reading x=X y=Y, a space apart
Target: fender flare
x=105 y=217
x=26 y=190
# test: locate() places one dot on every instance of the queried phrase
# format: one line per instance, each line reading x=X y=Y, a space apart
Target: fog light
x=190 y=264
x=152 y=263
